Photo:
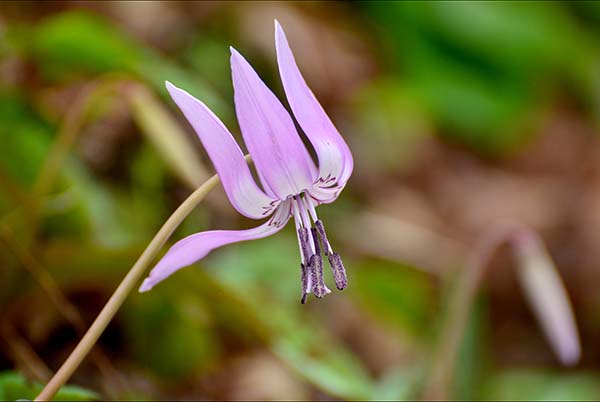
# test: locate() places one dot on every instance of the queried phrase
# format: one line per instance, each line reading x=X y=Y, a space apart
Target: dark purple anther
x=304 y=280
x=323 y=236
x=339 y=272
x=303 y=237
x=316 y=271
x=315 y=237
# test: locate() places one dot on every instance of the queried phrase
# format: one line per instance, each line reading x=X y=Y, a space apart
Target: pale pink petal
x=226 y=156
x=195 y=247
x=325 y=195
x=335 y=159
x=280 y=156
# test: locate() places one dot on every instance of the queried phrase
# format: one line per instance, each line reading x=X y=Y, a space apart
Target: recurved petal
x=335 y=159
x=226 y=156
x=197 y=246
x=325 y=195
x=280 y=156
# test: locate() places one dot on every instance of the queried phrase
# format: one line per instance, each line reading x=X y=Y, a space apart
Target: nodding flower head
x=291 y=185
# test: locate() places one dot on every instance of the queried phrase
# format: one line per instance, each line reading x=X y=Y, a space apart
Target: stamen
x=313 y=232
x=304 y=279
x=305 y=276
x=304 y=244
x=303 y=214
x=335 y=261
x=316 y=266
x=323 y=236
x=339 y=272
x=296 y=213
x=311 y=208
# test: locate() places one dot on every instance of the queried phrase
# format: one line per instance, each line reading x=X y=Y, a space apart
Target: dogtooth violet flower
x=292 y=185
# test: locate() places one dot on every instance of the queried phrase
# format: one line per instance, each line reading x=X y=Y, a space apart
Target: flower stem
x=127 y=285
x=453 y=326
x=69 y=130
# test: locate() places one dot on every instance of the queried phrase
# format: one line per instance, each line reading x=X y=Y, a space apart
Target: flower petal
x=226 y=156
x=280 y=156
x=335 y=159
x=195 y=247
x=325 y=195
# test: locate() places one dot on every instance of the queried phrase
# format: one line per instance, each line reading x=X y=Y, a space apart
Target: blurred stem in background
x=544 y=290
x=23 y=353
x=70 y=128
x=64 y=306
x=165 y=134
x=150 y=115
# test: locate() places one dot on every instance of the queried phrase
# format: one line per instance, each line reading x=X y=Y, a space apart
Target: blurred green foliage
x=530 y=385
x=25 y=137
x=73 y=43
x=483 y=69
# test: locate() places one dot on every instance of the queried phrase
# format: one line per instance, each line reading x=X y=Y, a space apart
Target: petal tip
x=146 y=285
x=235 y=55
x=172 y=89
x=237 y=61
x=279 y=34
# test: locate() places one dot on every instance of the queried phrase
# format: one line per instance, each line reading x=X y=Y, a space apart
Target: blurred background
x=462 y=117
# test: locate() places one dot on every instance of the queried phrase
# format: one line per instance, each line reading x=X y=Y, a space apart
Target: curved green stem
x=127 y=285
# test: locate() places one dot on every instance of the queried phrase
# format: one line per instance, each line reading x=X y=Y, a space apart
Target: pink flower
x=292 y=185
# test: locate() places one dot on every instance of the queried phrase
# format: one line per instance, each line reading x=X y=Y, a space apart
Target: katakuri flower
x=292 y=186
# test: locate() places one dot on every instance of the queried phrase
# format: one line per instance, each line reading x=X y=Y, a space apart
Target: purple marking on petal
x=195 y=247
x=226 y=156
x=280 y=156
x=335 y=158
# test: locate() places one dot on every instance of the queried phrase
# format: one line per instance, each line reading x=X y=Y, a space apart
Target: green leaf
x=81 y=41
x=25 y=138
x=470 y=364
x=14 y=386
x=542 y=385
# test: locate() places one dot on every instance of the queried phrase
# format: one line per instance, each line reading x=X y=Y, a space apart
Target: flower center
x=311 y=235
